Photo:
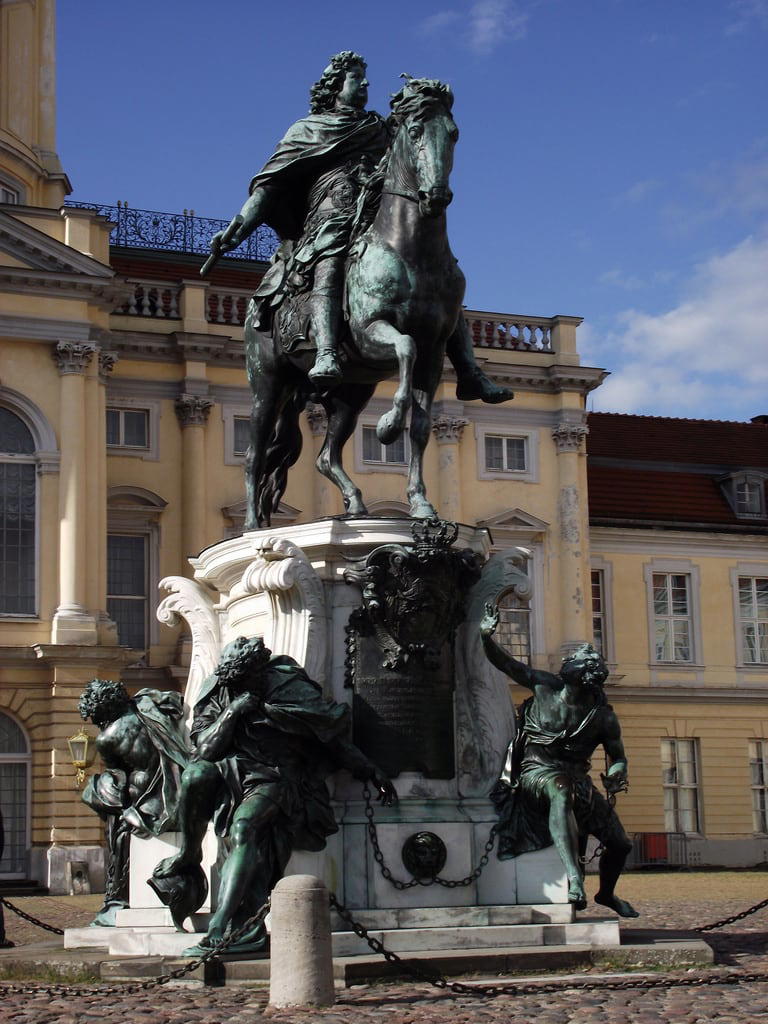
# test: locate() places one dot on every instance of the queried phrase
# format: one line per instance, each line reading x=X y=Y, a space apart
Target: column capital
x=192 y=410
x=448 y=428
x=318 y=421
x=568 y=437
x=73 y=356
x=107 y=361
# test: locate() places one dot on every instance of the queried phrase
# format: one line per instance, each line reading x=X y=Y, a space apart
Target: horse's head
x=422 y=151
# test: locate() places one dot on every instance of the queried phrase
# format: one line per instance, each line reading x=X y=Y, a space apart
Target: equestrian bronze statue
x=363 y=286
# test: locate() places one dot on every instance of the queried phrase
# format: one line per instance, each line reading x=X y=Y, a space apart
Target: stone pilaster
x=193 y=412
x=573 y=542
x=448 y=431
x=73 y=623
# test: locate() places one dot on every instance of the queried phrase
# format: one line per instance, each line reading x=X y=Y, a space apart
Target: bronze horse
x=404 y=301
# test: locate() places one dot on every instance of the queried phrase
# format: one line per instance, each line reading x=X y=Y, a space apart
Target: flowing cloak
x=154 y=810
x=310 y=147
x=313 y=179
x=283 y=751
x=536 y=755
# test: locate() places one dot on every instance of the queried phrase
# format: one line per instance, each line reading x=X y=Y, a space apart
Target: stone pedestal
x=287 y=585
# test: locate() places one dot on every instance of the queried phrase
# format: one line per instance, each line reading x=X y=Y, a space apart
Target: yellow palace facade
x=123 y=427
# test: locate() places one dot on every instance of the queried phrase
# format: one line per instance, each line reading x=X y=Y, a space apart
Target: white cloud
x=638 y=191
x=617 y=278
x=488 y=23
x=705 y=357
x=747 y=15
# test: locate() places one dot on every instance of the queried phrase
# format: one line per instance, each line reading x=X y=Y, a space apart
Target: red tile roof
x=674 y=492
x=666 y=439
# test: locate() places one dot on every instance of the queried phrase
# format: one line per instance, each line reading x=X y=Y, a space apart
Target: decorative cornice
x=73 y=356
x=318 y=421
x=569 y=437
x=107 y=361
x=448 y=428
x=192 y=410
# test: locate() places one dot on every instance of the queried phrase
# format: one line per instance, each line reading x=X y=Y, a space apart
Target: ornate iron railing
x=176 y=232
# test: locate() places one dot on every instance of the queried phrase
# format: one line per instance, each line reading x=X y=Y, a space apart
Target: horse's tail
x=283 y=450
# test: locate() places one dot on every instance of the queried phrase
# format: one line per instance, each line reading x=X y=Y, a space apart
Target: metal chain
x=28 y=917
x=734 y=917
x=438 y=980
x=161 y=979
x=447 y=883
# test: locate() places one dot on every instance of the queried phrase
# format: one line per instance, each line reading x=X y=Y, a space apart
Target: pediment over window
x=235 y=516
x=134 y=505
x=387 y=508
x=515 y=524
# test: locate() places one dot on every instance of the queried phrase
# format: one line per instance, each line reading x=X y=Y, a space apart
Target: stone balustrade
x=227 y=306
x=159 y=299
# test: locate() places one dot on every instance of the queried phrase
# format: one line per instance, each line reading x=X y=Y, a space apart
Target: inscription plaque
x=403 y=719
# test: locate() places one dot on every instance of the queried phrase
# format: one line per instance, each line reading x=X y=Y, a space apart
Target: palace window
x=395 y=454
x=8 y=195
x=127 y=588
x=758 y=763
x=128 y=428
x=672 y=621
x=753 y=619
x=680 y=774
x=18 y=510
x=513 y=633
x=745 y=492
x=505 y=454
x=14 y=786
x=241 y=430
x=598 y=612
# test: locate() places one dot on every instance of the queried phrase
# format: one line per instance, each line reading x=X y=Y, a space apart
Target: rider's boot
x=471 y=382
x=325 y=317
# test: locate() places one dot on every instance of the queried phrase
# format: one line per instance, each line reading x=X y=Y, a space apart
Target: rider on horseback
x=307 y=191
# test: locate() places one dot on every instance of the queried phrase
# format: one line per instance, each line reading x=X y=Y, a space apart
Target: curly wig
x=323 y=93
x=98 y=692
x=240 y=657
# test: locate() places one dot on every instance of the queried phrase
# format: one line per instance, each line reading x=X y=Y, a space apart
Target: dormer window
x=746 y=494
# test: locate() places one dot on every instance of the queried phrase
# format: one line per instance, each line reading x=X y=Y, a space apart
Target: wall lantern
x=80 y=754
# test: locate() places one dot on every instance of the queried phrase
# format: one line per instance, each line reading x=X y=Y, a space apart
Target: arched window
x=18 y=507
x=514 y=630
x=14 y=797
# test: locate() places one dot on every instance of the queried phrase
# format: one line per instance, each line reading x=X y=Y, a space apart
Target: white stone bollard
x=301 y=960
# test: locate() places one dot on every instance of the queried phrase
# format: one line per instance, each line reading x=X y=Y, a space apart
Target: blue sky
x=613 y=160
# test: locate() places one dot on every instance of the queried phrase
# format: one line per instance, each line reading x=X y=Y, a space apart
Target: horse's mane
x=416 y=97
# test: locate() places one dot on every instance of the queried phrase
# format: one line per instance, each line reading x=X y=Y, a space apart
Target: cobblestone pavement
x=674 y=901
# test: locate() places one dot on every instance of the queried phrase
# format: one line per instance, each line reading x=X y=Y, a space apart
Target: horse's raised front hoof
x=422 y=509
x=390 y=426
x=355 y=506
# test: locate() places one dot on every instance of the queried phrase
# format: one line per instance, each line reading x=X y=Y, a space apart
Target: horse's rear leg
x=382 y=333
x=263 y=416
x=343 y=408
x=421 y=425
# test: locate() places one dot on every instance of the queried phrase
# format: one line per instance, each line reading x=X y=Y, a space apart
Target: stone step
x=441 y=917
x=592 y=932
x=498 y=964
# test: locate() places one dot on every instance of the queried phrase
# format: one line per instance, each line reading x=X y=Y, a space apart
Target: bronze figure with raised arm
x=545 y=794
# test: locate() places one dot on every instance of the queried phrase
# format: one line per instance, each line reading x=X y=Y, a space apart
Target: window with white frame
x=513 y=633
x=758 y=763
x=672 y=617
x=749 y=497
x=128 y=428
x=127 y=587
x=753 y=619
x=599 y=630
x=374 y=452
x=505 y=454
x=680 y=775
x=18 y=510
x=241 y=435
